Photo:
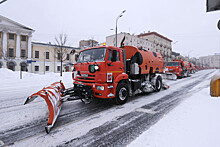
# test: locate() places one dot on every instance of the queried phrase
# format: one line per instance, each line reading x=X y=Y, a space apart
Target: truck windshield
x=92 y=55
x=172 y=64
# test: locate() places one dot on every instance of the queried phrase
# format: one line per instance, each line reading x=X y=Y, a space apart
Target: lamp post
x=2 y=1
x=116 y=26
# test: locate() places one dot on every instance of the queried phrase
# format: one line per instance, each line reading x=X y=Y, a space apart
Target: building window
x=47 y=55
x=11 y=36
x=11 y=52
x=36 y=68
x=23 y=38
x=58 y=68
x=47 y=68
x=58 y=56
x=36 y=54
x=23 y=53
x=67 y=56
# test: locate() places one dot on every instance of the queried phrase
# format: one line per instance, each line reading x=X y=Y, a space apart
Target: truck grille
x=86 y=79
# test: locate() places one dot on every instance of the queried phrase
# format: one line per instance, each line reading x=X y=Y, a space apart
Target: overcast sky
x=186 y=22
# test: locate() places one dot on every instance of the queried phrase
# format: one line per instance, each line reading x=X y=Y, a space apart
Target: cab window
x=110 y=56
x=117 y=59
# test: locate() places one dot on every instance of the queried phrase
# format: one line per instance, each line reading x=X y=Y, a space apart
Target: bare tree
x=61 y=50
x=4 y=55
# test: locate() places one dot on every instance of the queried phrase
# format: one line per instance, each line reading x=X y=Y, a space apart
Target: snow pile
x=14 y=92
x=194 y=123
x=6 y=73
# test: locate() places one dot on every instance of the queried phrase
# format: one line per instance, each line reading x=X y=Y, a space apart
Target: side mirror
x=114 y=56
x=76 y=57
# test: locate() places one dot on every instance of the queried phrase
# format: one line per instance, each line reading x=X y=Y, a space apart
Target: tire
x=158 y=84
x=122 y=92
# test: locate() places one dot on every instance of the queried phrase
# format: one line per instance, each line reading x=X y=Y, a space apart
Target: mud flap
x=53 y=97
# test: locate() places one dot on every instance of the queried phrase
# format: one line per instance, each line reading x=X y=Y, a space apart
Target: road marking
x=146 y=110
x=1 y=143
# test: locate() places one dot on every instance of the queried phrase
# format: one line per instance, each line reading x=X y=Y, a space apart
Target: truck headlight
x=96 y=67
x=93 y=68
x=100 y=88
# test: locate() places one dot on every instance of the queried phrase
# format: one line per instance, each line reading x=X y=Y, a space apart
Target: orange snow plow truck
x=106 y=73
x=176 y=69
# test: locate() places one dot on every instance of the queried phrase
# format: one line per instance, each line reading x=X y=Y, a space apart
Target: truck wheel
x=158 y=84
x=121 y=94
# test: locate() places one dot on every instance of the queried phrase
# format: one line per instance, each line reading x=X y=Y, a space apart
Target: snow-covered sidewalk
x=195 y=123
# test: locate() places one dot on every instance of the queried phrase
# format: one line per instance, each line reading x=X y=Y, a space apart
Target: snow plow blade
x=53 y=97
x=169 y=76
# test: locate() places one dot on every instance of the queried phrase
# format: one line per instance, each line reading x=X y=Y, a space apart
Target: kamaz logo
x=84 y=75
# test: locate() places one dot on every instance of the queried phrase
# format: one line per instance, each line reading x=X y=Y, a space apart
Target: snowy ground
x=192 y=123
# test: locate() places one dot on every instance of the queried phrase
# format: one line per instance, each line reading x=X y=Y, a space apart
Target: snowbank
x=14 y=92
x=195 y=122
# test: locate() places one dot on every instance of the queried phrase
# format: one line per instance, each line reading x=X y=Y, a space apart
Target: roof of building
x=16 y=23
x=154 y=33
x=53 y=45
x=89 y=40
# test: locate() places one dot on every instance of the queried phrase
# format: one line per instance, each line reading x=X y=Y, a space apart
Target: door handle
x=109 y=64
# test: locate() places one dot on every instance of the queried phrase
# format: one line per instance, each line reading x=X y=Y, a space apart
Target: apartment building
x=211 y=60
x=15 y=45
x=131 y=40
x=87 y=43
x=46 y=58
x=161 y=44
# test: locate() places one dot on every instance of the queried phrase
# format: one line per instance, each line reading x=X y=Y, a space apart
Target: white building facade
x=211 y=60
x=131 y=40
x=15 y=45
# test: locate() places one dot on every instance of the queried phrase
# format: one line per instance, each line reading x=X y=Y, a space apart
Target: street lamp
x=2 y=1
x=116 y=26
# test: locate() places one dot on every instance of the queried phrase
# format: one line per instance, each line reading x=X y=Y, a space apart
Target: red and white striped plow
x=53 y=97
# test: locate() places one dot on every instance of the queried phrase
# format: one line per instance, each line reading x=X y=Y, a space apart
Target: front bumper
x=108 y=92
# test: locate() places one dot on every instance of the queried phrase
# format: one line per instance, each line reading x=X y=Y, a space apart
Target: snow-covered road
x=99 y=123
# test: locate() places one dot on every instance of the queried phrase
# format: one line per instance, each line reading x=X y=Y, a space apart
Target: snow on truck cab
x=107 y=73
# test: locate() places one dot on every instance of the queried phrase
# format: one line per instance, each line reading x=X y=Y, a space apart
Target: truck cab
x=98 y=70
x=175 y=67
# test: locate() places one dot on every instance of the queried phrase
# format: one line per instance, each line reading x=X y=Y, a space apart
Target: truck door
x=115 y=64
